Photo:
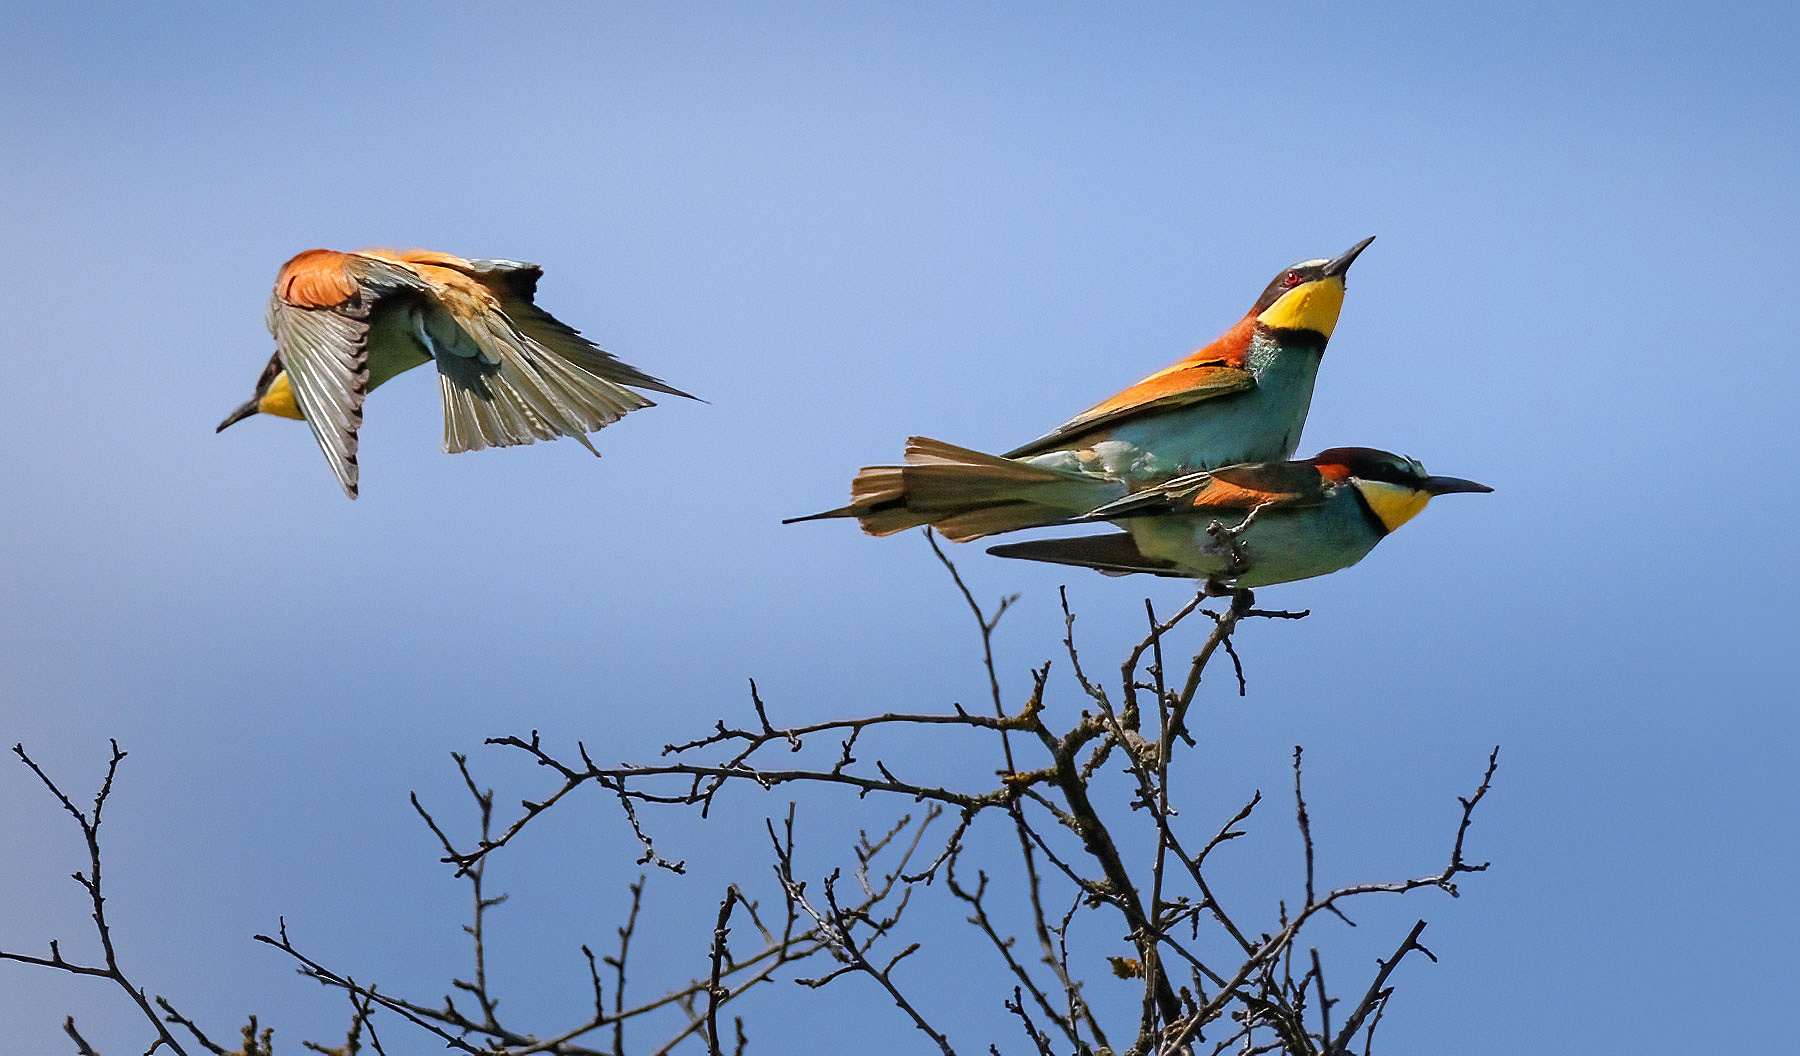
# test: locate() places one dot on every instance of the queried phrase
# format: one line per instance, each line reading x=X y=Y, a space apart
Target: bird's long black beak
x=1450 y=485
x=248 y=409
x=1342 y=262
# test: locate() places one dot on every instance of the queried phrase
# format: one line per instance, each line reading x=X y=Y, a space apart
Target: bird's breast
x=393 y=348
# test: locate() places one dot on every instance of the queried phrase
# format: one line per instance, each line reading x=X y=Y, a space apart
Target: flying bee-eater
x=510 y=372
x=1255 y=524
x=1241 y=398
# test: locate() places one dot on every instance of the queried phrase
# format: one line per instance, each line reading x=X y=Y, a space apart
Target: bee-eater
x=1241 y=398
x=1255 y=524
x=510 y=372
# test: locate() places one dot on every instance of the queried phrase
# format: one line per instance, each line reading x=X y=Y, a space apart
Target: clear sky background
x=841 y=226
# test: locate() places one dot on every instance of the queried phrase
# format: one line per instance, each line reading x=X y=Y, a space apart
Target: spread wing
x=1213 y=371
x=1230 y=489
x=502 y=388
x=510 y=372
x=516 y=289
x=320 y=314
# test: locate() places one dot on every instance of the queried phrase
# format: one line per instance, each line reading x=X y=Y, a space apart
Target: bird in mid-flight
x=1241 y=398
x=510 y=372
x=1255 y=524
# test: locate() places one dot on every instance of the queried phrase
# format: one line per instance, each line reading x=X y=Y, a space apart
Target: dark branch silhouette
x=1082 y=786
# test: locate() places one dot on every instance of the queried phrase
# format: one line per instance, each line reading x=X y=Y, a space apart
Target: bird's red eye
x=1292 y=278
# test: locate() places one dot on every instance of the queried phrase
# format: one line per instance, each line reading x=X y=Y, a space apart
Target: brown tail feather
x=965 y=494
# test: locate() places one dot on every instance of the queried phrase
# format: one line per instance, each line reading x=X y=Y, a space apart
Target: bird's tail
x=965 y=494
x=1113 y=554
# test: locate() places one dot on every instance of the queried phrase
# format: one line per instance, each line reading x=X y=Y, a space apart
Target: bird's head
x=1395 y=488
x=274 y=395
x=1307 y=296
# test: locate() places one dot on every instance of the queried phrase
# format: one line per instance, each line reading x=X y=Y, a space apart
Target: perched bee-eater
x=1242 y=398
x=510 y=372
x=1255 y=524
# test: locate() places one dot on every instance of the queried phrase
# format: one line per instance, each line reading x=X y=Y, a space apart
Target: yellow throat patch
x=1395 y=504
x=1311 y=306
x=279 y=400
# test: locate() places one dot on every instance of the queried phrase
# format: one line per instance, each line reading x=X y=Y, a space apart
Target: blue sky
x=842 y=226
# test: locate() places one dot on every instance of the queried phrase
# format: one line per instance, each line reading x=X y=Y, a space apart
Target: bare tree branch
x=1077 y=771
